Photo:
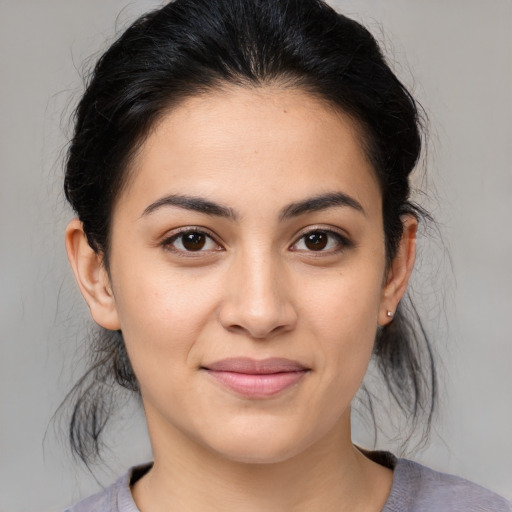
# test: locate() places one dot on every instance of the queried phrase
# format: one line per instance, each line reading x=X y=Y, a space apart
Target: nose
x=257 y=298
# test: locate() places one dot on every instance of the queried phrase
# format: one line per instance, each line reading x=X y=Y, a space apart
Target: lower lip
x=257 y=385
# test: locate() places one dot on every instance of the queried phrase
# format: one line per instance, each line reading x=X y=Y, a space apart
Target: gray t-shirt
x=415 y=488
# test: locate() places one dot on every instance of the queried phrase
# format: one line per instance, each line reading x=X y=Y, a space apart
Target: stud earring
x=389 y=314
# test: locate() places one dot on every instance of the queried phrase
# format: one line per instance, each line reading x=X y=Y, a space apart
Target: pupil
x=316 y=241
x=193 y=241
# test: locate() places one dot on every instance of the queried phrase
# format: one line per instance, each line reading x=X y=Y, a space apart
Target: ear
x=399 y=271
x=91 y=277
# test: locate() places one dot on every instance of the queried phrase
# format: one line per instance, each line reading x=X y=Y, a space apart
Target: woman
x=244 y=235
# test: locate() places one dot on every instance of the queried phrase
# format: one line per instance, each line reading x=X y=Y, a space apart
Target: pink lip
x=256 y=378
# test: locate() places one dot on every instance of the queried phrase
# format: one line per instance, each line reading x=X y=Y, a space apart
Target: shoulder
x=116 y=498
x=104 y=501
x=417 y=488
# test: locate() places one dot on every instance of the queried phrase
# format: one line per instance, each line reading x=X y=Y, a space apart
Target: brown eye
x=321 y=241
x=316 y=240
x=190 y=241
x=193 y=241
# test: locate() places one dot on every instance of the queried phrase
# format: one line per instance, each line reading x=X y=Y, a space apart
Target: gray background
x=457 y=57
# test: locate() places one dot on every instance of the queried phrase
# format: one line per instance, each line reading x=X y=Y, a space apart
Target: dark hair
x=189 y=47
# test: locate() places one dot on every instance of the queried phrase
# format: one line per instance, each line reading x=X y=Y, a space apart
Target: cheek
x=342 y=316
x=162 y=315
x=344 y=302
x=343 y=320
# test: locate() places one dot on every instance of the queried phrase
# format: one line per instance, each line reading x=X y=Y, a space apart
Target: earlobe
x=399 y=271
x=91 y=277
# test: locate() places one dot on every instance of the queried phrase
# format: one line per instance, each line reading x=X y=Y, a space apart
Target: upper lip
x=255 y=366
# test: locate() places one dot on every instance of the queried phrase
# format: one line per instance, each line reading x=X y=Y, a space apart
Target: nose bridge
x=258 y=301
x=262 y=280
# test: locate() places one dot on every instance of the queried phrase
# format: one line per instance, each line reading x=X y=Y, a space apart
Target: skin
x=256 y=289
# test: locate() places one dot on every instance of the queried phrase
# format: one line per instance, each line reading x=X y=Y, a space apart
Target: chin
x=260 y=445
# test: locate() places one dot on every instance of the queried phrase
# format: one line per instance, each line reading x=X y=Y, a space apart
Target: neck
x=188 y=476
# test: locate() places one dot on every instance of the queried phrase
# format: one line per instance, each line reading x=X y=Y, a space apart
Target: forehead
x=260 y=140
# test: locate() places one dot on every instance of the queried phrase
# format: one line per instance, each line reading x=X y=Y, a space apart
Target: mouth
x=252 y=378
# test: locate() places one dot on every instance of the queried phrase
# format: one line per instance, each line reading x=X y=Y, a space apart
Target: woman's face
x=248 y=273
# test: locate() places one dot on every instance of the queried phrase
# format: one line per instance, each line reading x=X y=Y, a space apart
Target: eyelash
x=341 y=242
x=169 y=242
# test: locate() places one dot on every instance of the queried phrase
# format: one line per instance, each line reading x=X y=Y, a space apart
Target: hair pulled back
x=189 y=47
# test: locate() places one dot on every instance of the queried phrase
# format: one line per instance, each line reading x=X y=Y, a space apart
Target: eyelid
x=344 y=241
x=172 y=236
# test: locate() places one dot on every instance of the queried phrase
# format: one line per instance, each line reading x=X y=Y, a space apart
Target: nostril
x=258 y=324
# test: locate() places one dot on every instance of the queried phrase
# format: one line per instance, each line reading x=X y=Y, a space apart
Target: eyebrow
x=197 y=204
x=321 y=202
x=207 y=207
